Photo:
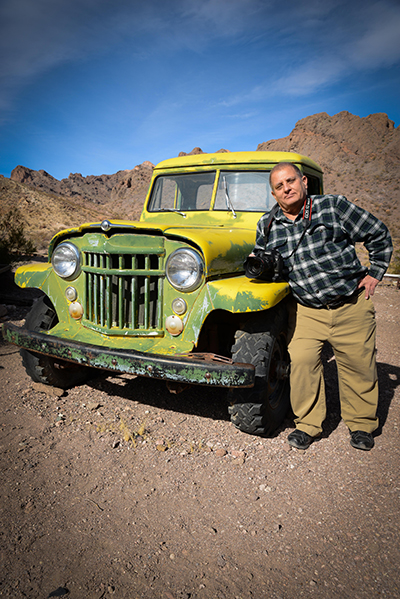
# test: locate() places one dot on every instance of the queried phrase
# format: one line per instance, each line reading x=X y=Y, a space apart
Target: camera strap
x=307 y=210
x=268 y=222
x=306 y=220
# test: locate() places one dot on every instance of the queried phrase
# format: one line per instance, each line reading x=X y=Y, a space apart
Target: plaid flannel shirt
x=325 y=266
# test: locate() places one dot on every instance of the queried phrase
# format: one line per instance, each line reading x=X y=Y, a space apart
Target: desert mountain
x=48 y=205
x=101 y=189
x=42 y=213
x=360 y=158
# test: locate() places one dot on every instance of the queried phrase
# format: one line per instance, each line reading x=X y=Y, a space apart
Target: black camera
x=266 y=265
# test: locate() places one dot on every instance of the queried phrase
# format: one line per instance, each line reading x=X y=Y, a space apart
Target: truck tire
x=261 y=409
x=42 y=368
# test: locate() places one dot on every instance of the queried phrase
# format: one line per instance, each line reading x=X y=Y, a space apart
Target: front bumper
x=199 y=369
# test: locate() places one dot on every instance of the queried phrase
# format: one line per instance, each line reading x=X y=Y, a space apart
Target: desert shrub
x=13 y=242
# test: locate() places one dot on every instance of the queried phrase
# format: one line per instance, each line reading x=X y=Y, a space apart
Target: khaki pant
x=351 y=332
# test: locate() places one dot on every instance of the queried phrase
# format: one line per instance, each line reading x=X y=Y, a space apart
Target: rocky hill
x=47 y=205
x=122 y=190
x=360 y=158
x=42 y=213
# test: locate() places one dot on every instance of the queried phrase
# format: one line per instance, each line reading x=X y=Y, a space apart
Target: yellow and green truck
x=167 y=297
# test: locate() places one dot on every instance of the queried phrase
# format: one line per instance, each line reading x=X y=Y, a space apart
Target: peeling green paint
x=32 y=275
x=241 y=294
x=194 y=370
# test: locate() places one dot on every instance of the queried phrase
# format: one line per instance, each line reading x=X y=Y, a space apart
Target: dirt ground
x=119 y=489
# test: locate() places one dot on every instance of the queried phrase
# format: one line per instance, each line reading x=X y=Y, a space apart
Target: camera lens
x=254 y=267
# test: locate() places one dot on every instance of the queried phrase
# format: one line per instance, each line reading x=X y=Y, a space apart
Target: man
x=332 y=290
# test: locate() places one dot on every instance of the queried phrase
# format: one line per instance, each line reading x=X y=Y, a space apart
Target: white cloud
x=374 y=43
x=255 y=94
x=226 y=17
x=242 y=115
x=312 y=43
x=379 y=46
x=343 y=45
x=37 y=35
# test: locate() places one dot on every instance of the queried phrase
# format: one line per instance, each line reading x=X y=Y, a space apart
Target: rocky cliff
x=43 y=214
x=360 y=158
x=122 y=189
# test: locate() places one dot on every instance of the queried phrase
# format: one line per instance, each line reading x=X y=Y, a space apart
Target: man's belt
x=340 y=301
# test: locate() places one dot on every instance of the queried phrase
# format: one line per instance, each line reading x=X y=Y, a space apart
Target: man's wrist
x=376 y=272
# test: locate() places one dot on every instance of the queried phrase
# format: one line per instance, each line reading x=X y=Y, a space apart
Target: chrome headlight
x=66 y=260
x=184 y=269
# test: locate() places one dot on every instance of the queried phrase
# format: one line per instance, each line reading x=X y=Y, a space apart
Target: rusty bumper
x=199 y=369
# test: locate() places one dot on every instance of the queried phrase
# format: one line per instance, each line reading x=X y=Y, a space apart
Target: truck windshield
x=248 y=191
x=244 y=191
x=187 y=192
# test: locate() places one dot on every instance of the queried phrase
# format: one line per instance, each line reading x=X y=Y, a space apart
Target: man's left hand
x=369 y=283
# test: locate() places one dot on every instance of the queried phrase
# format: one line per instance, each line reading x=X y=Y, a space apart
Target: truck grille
x=124 y=293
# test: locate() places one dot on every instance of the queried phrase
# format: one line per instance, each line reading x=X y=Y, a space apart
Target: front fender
x=43 y=277
x=33 y=275
x=240 y=294
x=236 y=295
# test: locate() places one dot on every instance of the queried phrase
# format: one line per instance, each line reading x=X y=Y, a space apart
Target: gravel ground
x=119 y=489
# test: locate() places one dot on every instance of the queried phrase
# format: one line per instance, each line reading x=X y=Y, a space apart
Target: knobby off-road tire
x=41 y=368
x=261 y=409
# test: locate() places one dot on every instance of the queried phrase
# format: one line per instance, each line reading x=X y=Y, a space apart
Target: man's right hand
x=370 y=284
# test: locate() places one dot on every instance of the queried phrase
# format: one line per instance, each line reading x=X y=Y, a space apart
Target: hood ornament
x=105 y=225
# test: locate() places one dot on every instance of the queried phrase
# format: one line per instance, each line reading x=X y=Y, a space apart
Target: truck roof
x=222 y=158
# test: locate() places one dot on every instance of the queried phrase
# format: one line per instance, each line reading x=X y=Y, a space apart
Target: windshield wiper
x=173 y=210
x=227 y=198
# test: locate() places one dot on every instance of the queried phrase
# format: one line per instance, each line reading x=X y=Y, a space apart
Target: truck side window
x=314 y=185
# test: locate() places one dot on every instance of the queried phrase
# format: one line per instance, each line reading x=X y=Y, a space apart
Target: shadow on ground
x=212 y=403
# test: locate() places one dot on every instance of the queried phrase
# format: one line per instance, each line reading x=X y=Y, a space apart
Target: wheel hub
x=282 y=370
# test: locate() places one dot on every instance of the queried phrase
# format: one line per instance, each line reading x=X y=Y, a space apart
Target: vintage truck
x=166 y=296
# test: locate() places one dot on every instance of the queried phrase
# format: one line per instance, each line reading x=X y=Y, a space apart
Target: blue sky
x=97 y=86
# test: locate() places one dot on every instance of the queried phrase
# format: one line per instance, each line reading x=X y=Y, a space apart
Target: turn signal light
x=76 y=310
x=174 y=325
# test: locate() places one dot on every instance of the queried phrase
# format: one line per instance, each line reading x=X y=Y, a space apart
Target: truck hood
x=224 y=249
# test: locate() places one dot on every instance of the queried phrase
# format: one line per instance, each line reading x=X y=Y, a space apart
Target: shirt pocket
x=328 y=247
x=282 y=246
